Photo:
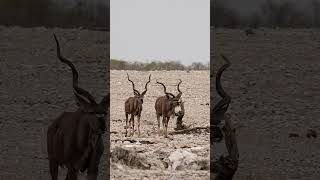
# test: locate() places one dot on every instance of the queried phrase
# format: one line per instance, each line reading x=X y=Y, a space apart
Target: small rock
x=130 y=145
x=129 y=158
x=311 y=133
x=119 y=166
x=196 y=149
x=138 y=143
x=182 y=159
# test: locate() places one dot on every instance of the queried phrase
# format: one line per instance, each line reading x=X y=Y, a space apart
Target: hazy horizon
x=155 y=60
x=160 y=30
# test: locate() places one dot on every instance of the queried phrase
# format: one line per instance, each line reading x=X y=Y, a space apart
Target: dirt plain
x=274 y=82
x=152 y=149
x=35 y=87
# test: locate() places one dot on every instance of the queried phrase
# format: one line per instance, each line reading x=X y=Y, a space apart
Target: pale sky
x=163 y=30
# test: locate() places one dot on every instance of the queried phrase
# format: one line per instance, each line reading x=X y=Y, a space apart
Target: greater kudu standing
x=74 y=138
x=133 y=106
x=165 y=106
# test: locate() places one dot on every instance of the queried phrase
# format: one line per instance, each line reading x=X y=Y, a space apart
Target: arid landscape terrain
x=35 y=87
x=181 y=156
x=274 y=82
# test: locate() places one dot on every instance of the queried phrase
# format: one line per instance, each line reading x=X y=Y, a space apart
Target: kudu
x=165 y=106
x=222 y=106
x=74 y=138
x=133 y=106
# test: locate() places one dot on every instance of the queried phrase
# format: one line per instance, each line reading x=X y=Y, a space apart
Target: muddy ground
x=274 y=82
x=35 y=87
x=149 y=149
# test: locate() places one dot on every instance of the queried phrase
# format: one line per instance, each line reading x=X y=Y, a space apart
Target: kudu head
x=136 y=92
x=85 y=101
x=221 y=107
x=174 y=100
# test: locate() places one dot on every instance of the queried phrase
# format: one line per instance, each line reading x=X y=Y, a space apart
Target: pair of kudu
x=164 y=106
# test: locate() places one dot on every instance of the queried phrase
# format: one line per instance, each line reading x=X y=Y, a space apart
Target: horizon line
x=154 y=60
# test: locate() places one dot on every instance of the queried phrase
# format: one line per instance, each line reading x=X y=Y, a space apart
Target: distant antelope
x=222 y=106
x=249 y=32
x=133 y=106
x=165 y=106
x=74 y=138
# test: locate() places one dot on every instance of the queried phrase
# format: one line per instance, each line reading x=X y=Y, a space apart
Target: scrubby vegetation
x=156 y=65
x=50 y=13
x=270 y=13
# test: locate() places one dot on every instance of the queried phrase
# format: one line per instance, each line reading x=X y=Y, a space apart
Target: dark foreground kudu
x=74 y=138
x=226 y=166
x=165 y=106
x=221 y=107
x=133 y=106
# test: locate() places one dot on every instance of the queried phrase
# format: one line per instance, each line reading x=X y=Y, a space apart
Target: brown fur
x=74 y=138
x=165 y=106
x=133 y=106
x=220 y=109
x=68 y=138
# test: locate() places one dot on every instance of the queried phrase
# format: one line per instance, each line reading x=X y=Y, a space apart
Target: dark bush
x=49 y=13
x=270 y=13
x=156 y=65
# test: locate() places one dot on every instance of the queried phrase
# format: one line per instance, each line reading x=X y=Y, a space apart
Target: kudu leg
x=93 y=169
x=164 y=126
x=126 y=124
x=167 y=122
x=71 y=174
x=138 y=125
x=132 y=121
x=53 y=166
x=158 y=118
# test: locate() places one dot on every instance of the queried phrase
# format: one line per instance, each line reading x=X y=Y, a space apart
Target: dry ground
x=274 y=81
x=195 y=88
x=35 y=87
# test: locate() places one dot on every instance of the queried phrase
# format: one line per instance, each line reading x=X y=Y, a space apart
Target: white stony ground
x=164 y=155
